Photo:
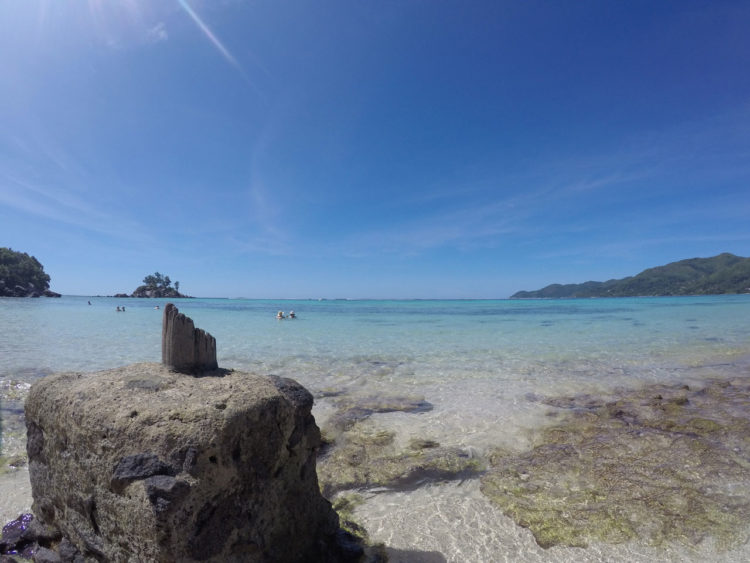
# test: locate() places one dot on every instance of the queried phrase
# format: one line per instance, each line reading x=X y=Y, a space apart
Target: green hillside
x=725 y=273
x=22 y=275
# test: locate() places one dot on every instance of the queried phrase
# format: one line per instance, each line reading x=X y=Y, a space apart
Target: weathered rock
x=144 y=464
x=185 y=348
x=663 y=463
x=45 y=555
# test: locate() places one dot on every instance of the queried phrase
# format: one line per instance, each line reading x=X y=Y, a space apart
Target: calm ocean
x=476 y=362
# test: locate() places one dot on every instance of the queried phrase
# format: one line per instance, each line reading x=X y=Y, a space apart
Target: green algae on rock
x=344 y=506
x=662 y=464
x=358 y=455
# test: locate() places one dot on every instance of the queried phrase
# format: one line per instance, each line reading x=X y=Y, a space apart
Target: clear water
x=475 y=361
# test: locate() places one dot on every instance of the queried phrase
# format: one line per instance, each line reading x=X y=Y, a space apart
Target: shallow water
x=479 y=363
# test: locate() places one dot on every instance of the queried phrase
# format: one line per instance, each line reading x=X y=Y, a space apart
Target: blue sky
x=371 y=149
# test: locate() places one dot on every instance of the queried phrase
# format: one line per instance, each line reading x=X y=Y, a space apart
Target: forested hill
x=22 y=275
x=725 y=273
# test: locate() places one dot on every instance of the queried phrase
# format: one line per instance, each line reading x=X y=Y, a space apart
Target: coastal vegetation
x=156 y=285
x=22 y=275
x=722 y=274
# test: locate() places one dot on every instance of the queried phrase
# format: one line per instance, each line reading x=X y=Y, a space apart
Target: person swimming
x=280 y=315
x=292 y=315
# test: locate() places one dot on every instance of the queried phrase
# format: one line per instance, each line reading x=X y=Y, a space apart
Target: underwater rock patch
x=353 y=409
x=367 y=458
x=663 y=463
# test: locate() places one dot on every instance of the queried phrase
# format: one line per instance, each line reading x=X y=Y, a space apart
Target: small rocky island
x=22 y=275
x=156 y=285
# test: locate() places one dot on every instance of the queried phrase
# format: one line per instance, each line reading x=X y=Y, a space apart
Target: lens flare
x=208 y=33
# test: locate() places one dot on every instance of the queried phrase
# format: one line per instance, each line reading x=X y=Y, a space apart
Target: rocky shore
x=151 y=460
x=660 y=464
x=27 y=290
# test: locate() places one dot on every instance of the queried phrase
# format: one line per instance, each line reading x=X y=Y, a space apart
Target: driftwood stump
x=184 y=348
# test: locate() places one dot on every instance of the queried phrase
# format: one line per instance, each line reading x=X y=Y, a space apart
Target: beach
x=487 y=376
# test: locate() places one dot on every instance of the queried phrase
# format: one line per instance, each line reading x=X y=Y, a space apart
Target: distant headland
x=156 y=285
x=722 y=274
x=22 y=275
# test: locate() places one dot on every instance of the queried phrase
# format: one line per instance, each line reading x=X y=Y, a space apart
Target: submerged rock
x=357 y=455
x=367 y=458
x=353 y=409
x=664 y=463
x=144 y=464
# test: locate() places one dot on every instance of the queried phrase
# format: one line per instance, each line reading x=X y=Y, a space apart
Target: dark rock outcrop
x=25 y=536
x=143 y=464
x=161 y=292
x=185 y=348
x=26 y=290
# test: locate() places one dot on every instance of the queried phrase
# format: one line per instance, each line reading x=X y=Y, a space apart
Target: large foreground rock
x=144 y=464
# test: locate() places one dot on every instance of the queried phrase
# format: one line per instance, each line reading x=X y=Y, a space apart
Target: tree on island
x=157 y=281
x=22 y=275
x=158 y=285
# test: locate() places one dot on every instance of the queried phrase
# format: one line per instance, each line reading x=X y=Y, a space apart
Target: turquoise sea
x=477 y=362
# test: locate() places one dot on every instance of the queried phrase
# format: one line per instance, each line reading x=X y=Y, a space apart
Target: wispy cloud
x=61 y=205
x=471 y=226
x=158 y=33
x=633 y=248
x=45 y=182
x=630 y=193
x=123 y=24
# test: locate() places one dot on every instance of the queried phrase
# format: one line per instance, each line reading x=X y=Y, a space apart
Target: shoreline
x=485 y=368
x=17 y=490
